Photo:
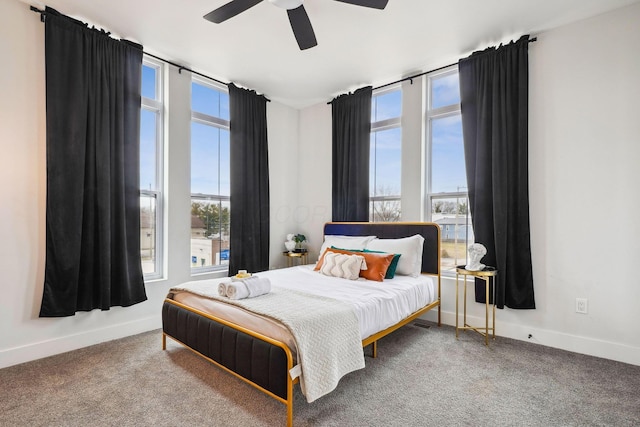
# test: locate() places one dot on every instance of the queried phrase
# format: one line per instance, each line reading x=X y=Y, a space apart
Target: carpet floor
x=423 y=376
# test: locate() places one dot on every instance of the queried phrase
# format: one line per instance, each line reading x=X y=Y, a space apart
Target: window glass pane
x=149 y=82
x=207 y=100
x=454 y=218
x=148 y=148
x=385 y=210
x=148 y=235
x=386 y=106
x=385 y=162
x=447 y=155
x=210 y=160
x=445 y=91
x=209 y=233
x=225 y=162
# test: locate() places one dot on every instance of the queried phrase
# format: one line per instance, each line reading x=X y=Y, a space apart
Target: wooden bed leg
x=164 y=341
x=375 y=349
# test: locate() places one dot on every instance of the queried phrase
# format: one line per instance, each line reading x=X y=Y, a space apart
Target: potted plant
x=299 y=239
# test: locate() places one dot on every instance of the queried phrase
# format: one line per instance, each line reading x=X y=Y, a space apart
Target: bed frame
x=263 y=362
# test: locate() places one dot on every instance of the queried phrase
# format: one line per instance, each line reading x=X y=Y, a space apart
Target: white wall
x=284 y=173
x=24 y=336
x=584 y=138
x=584 y=151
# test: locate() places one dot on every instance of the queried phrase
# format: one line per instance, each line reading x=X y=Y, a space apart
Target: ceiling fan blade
x=230 y=10
x=302 y=29
x=374 y=4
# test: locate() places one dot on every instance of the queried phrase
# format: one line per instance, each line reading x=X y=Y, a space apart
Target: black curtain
x=93 y=202
x=351 y=133
x=249 y=239
x=494 y=99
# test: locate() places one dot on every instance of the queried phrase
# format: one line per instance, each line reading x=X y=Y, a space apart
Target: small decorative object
x=242 y=274
x=476 y=252
x=299 y=239
x=290 y=244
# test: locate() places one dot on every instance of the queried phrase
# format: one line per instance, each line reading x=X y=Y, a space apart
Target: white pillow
x=345 y=242
x=343 y=265
x=410 y=249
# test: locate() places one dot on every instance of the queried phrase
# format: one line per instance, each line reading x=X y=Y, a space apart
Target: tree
x=213 y=215
x=385 y=206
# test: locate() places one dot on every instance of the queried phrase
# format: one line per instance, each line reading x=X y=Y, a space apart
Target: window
x=210 y=177
x=446 y=186
x=151 y=171
x=385 y=161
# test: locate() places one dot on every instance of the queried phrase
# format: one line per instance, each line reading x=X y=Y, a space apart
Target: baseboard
x=27 y=353
x=574 y=343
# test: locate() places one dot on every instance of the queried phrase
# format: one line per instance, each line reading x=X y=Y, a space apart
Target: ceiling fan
x=300 y=24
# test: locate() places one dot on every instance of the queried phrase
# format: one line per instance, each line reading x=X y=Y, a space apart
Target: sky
x=448 y=171
x=210 y=145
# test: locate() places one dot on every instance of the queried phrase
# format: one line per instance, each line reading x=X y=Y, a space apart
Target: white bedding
x=378 y=305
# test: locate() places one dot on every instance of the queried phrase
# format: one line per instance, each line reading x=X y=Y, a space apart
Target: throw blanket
x=326 y=332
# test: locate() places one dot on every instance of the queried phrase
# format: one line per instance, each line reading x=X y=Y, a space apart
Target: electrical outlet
x=581 y=305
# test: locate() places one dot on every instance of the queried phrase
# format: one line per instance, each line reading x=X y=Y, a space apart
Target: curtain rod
x=531 y=40
x=410 y=78
x=43 y=13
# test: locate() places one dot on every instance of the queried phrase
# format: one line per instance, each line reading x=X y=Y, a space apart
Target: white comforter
x=378 y=305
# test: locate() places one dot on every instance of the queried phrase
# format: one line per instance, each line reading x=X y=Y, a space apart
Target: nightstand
x=488 y=274
x=301 y=256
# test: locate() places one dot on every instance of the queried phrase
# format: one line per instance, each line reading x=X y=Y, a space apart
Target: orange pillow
x=377 y=264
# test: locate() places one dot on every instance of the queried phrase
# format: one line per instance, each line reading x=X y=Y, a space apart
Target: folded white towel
x=222 y=288
x=248 y=288
x=237 y=290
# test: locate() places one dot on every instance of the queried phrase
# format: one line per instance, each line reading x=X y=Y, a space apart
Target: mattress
x=377 y=305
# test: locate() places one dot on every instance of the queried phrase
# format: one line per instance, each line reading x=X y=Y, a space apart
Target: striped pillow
x=342 y=265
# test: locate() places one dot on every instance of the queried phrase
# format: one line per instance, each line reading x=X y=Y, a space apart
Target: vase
x=290 y=245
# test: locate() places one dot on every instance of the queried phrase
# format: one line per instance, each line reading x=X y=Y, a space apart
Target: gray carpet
x=422 y=377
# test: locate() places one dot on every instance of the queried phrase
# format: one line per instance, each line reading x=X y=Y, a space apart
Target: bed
x=265 y=355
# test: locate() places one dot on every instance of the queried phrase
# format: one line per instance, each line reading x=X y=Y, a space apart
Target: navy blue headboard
x=394 y=230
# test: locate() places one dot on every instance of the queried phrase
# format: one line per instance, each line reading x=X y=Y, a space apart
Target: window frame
x=430 y=197
x=219 y=123
x=382 y=125
x=157 y=106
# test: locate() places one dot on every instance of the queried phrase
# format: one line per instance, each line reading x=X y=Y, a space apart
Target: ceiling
x=357 y=46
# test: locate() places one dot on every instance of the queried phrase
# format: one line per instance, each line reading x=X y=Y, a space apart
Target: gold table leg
x=486 y=314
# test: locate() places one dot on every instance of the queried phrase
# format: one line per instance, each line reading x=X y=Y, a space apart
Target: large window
x=210 y=177
x=151 y=171
x=446 y=186
x=385 y=161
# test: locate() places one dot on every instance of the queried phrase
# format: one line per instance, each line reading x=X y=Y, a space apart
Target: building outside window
x=210 y=177
x=447 y=202
x=151 y=170
x=385 y=161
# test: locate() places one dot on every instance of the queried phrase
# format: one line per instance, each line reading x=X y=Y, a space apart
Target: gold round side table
x=302 y=256
x=488 y=274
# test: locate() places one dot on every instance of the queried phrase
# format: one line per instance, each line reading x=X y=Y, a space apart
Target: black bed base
x=257 y=361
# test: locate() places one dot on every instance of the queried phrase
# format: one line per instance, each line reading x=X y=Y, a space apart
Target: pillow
x=391 y=271
x=352 y=242
x=342 y=265
x=410 y=263
x=377 y=264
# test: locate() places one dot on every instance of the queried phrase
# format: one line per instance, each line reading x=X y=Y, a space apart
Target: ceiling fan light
x=287 y=4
